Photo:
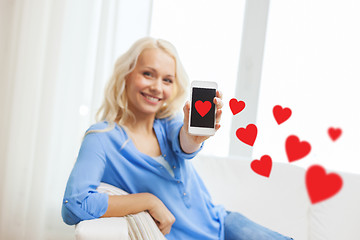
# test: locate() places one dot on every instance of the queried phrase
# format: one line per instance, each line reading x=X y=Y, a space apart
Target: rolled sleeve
x=81 y=200
x=94 y=206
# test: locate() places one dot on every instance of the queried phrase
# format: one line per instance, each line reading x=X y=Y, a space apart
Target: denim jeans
x=238 y=227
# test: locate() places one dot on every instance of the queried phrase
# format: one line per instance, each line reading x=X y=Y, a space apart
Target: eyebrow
x=153 y=69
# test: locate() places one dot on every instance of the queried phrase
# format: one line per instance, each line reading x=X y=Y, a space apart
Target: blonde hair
x=115 y=105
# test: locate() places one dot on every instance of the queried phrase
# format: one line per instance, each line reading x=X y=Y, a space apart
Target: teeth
x=152 y=98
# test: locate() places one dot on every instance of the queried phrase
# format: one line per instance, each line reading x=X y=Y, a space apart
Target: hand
x=162 y=216
x=190 y=143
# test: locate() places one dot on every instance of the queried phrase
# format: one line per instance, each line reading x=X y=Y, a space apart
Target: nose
x=156 y=86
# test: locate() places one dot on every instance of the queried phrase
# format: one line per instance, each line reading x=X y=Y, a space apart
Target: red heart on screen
x=295 y=149
x=334 y=133
x=202 y=107
x=236 y=106
x=321 y=186
x=281 y=114
x=247 y=135
x=262 y=166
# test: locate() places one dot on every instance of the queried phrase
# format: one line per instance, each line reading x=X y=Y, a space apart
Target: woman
x=140 y=146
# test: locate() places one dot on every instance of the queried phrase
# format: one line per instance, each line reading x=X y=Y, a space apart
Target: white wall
x=6 y=87
x=57 y=57
x=311 y=65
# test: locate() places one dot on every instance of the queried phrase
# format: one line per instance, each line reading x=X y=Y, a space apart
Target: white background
x=311 y=65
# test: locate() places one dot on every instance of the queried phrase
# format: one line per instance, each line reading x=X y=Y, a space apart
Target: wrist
x=151 y=201
x=188 y=143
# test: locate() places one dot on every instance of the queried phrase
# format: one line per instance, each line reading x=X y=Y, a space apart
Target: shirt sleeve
x=173 y=127
x=81 y=200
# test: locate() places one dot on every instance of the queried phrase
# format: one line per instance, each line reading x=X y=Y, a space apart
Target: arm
x=119 y=206
x=81 y=200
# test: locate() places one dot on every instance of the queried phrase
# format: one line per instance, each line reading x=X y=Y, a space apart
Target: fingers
x=165 y=230
x=219 y=94
x=218 y=99
x=166 y=224
x=163 y=218
x=219 y=104
x=218 y=115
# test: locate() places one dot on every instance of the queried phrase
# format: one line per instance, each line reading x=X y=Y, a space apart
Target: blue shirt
x=112 y=157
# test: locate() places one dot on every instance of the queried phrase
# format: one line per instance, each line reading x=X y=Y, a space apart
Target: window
x=311 y=65
x=207 y=35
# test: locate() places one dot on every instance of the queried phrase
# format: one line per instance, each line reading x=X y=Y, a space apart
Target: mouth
x=151 y=98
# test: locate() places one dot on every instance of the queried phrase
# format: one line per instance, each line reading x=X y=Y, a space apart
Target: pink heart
x=202 y=107
x=236 y=106
x=247 y=135
x=321 y=186
x=334 y=133
x=262 y=166
x=295 y=149
x=281 y=114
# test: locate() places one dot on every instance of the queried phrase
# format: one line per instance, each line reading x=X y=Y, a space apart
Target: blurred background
x=56 y=57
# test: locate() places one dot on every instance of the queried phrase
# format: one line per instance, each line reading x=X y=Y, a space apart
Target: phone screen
x=202 y=109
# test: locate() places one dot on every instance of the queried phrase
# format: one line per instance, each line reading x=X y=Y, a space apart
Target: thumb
x=186 y=110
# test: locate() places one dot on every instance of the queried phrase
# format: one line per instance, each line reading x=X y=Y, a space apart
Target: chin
x=151 y=111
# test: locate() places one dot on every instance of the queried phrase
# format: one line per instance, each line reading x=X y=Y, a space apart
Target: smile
x=151 y=98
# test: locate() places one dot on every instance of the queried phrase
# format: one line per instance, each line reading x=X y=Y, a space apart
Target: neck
x=143 y=125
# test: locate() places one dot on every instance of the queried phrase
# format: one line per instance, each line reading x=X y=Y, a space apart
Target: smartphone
x=202 y=108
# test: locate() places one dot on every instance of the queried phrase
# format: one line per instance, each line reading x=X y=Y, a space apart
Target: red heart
x=321 y=186
x=295 y=149
x=262 y=166
x=236 y=106
x=281 y=114
x=334 y=133
x=202 y=107
x=247 y=135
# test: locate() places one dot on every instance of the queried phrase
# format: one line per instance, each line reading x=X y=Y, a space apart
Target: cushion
x=141 y=226
x=113 y=228
x=339 y=216
x=279 y=202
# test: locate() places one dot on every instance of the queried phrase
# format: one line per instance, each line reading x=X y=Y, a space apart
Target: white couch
x=279 y=202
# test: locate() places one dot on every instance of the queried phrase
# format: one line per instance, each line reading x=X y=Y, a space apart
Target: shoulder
x=106 y=131
x=107 y=135
x=99 y=126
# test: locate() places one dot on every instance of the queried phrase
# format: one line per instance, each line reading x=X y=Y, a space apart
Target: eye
x=168 y=80
x=147 y=74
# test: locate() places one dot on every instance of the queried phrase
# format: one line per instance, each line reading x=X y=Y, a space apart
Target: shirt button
x=184 y=193
x=66 y=201
x=174 y=166
x=164 y=155
x=178 y=181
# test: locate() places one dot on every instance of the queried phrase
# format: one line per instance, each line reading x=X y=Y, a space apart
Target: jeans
x=238 y=227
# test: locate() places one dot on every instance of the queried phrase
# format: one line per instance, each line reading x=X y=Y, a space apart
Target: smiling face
x=151 y=83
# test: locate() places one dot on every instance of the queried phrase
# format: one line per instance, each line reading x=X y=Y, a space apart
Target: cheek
x=170 y=91
x=135 y=85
